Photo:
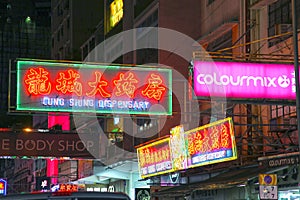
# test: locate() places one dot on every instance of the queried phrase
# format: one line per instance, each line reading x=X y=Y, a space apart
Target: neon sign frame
x=94 y=88
x=155 y=158
x=211 y=143
x=208 y=144
x=240 y=80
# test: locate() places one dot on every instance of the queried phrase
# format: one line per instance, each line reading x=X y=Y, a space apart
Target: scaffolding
x=263 y=127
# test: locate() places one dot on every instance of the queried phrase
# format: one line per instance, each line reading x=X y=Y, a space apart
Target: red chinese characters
x=67 y=82
x=37 y=81
x=98 y=86
x=209 y=139
x=150 y=155
x=154 y=88
x=125 y=85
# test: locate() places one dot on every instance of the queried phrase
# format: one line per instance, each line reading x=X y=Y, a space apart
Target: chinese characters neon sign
x=155 y=158
x=208 y=144
x=212 y=143
x=116 y=12
x=78 y=87
x=3 y=187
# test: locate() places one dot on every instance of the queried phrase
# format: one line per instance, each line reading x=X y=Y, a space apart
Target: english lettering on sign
x=280 y=160
x=46 y=144
x=5 y=144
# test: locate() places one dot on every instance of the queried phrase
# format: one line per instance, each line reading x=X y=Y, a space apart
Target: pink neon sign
x=244 y=80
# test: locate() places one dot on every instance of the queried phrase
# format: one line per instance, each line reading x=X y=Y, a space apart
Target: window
x=210 y=2
x=280 y=20
x=58 y=37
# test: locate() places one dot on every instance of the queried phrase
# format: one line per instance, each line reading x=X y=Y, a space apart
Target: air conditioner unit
x=285 y=123
x=293 y=121
x=282 y=28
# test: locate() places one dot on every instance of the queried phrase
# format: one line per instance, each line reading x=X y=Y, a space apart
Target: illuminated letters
x=98 y=86
x=125 y=85
x=67 y=82
x=154 y=88
x=37 y=81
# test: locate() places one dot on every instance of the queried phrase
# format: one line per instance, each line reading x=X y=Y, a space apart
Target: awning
x=227 y=179
x=106 y=174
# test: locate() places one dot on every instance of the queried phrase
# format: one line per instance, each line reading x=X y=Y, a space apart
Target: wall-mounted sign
x=267 y=179
x=268 y=192
x=48 y=145
x=79 y=87
x=116 y=12
x=178 y=148
x=42 y=183
x=142 y=194
x=3 y=187
x=155 y=158
x=280 y=160
x=211 y=143
x=68 y=188
x=208 y=144
x=244 y=80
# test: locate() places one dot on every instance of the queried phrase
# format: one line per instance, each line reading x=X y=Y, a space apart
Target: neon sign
x=212 y=143
x=208 y=144
x=178 y=148
x=3 y=187
x=155 y=158
x=116 y=12
x=78 y=87
x=244 y=80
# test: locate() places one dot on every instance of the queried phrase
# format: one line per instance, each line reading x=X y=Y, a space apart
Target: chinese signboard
x=212 y=143
x=78 y=87
x=3 y=187
x=155 y=158
x=244 y=80
x=116 y=12
x=178 y=149
x=208 y=144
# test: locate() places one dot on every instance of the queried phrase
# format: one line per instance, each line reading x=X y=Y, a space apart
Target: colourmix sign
x=244 y=80
x=79 y=87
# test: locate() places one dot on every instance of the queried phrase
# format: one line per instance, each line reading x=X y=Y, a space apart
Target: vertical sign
x=268 y=186
x=178 y=149
x=3 y=187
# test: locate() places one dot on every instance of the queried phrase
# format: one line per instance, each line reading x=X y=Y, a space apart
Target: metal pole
x=296 y=64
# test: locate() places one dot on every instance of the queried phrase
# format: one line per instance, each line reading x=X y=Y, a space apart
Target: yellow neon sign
x=116 y=12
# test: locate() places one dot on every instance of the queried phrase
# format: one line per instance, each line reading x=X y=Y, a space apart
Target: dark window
x=210 y=2
x=280 y=21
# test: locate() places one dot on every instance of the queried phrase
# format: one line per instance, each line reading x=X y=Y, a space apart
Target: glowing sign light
x=3 y=187
x=78 y=87
x=68 y=188
x=212 y=143
x=155 y=158
x=244 y=80
x=178 y=148
x=208 y=144
x=116 y=12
